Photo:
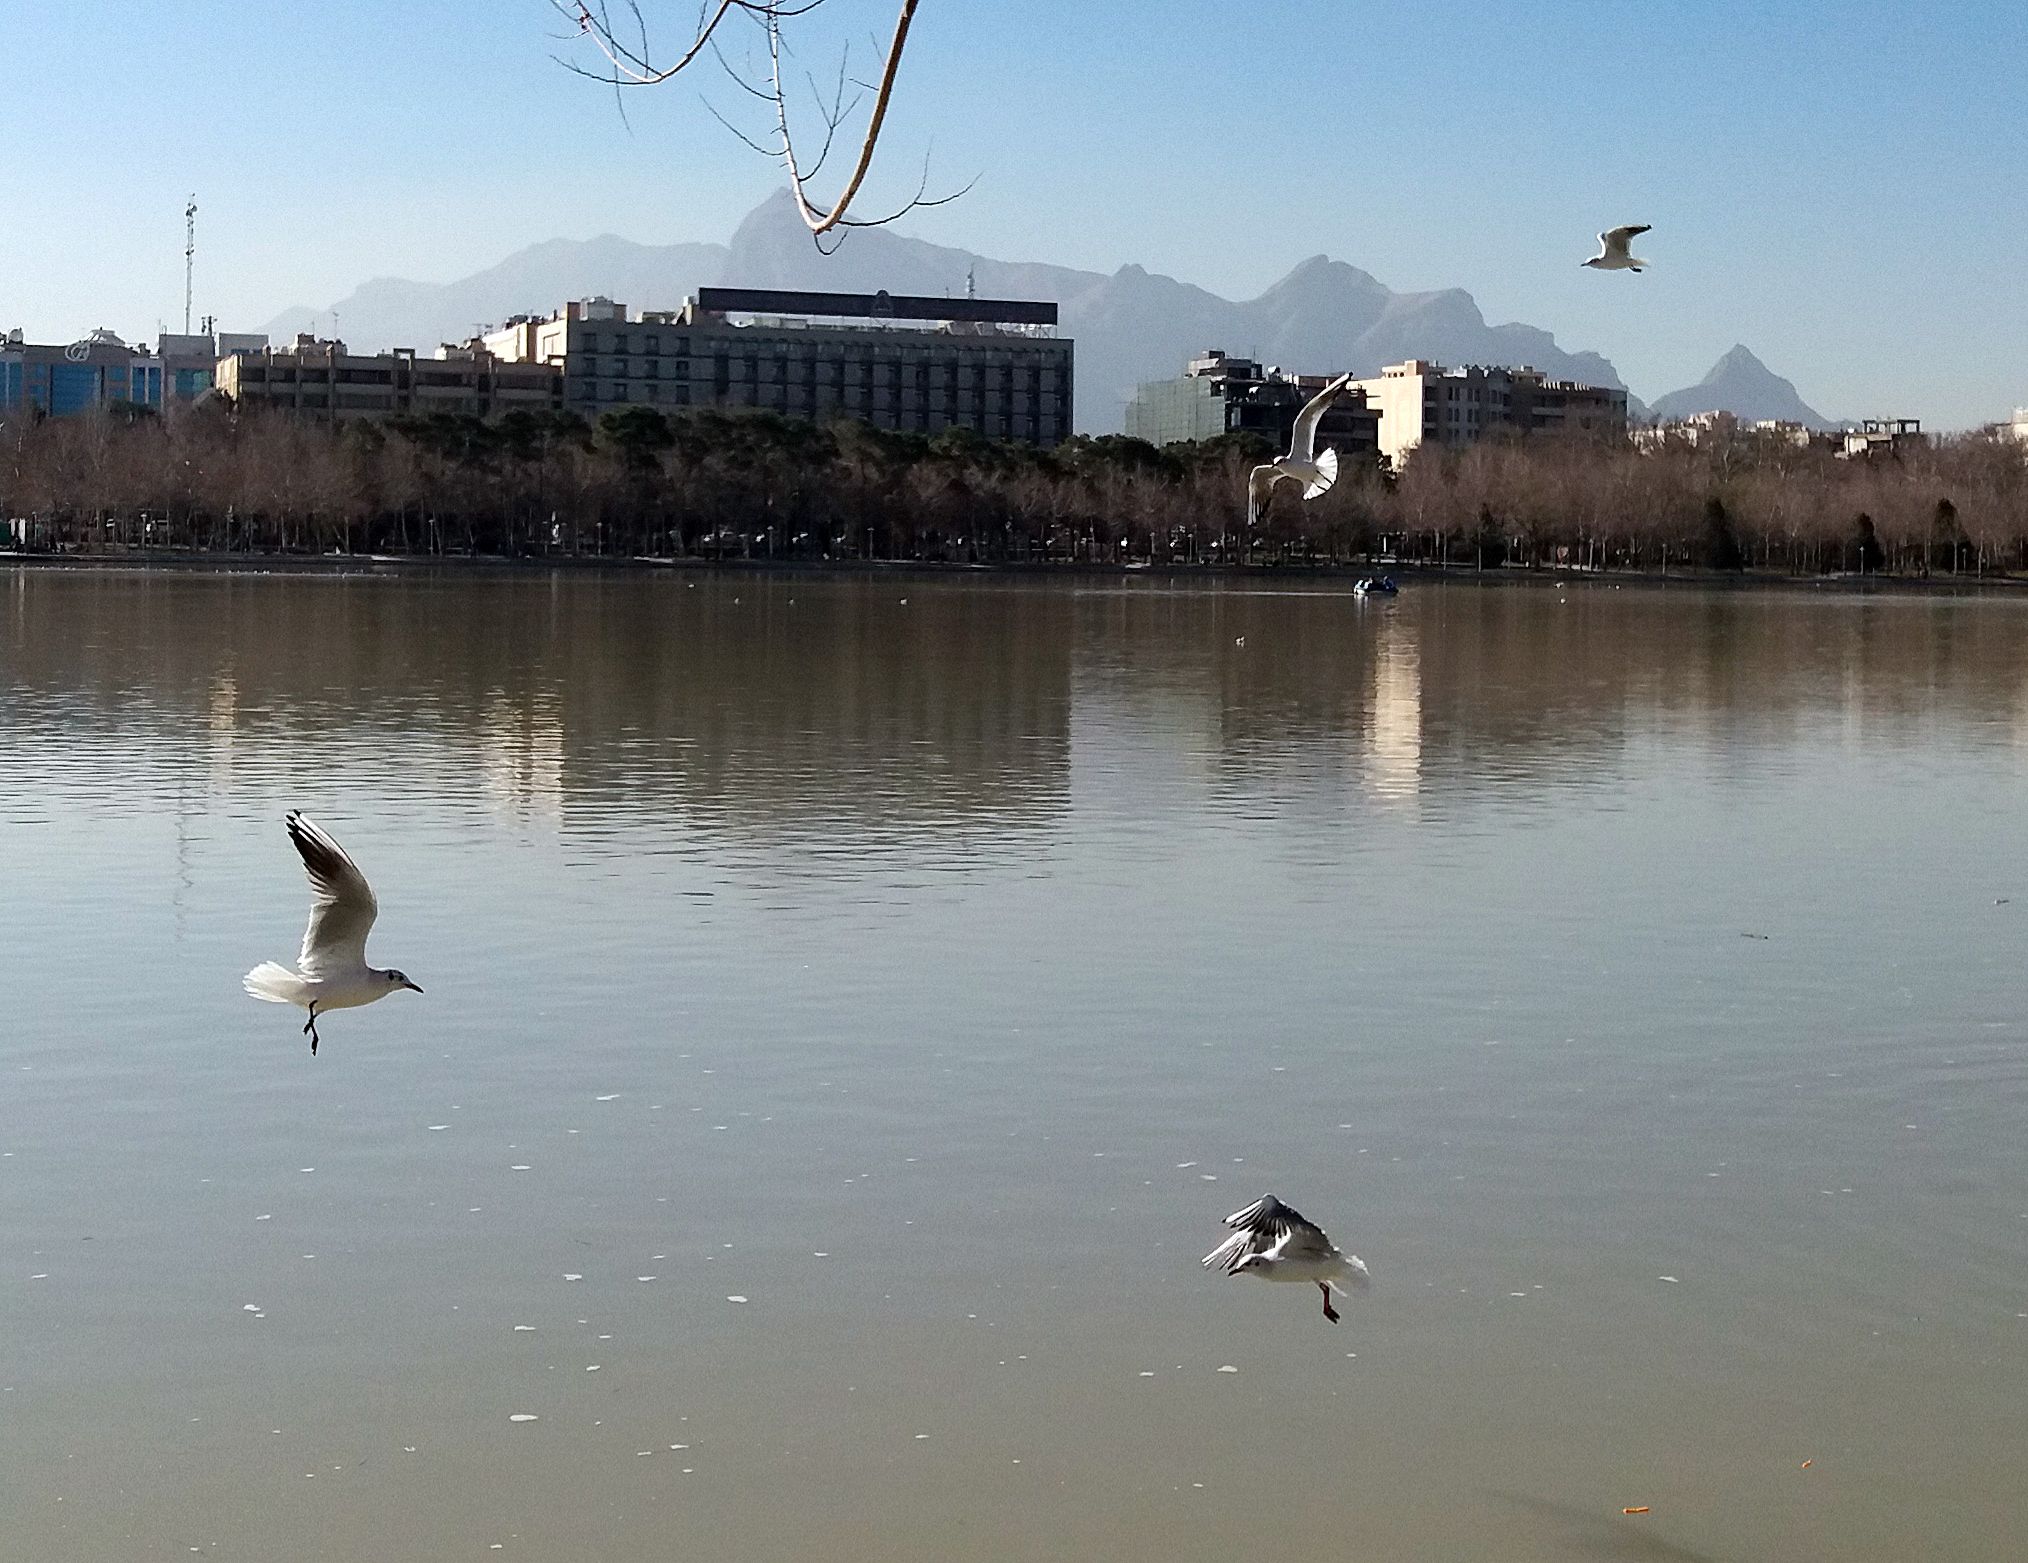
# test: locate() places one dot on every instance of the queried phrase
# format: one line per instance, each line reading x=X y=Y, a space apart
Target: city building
x=1420 y=401
x=2015 y=430
x=1219 y=394
x=100 y=370
x=319 y=378
x=1882 y=437
x=995 y=366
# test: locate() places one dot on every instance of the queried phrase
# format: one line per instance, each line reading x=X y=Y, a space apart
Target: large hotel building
x=995 y=366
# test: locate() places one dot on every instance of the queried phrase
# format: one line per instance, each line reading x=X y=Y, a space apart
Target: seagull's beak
x=410 y=986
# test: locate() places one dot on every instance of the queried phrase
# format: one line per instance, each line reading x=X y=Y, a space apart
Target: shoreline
x=178 y=561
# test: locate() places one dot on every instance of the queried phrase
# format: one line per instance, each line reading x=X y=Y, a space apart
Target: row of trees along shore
x=738 y=484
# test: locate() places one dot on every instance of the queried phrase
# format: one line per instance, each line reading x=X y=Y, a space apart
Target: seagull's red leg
x=1329 y=1312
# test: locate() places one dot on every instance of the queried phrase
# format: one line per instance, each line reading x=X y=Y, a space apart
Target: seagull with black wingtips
x=1315 y=469
x=1275 y=1242
x=1614 y=249
x=331 y=972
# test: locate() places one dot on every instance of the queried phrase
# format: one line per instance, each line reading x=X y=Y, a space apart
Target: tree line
x=746 y=484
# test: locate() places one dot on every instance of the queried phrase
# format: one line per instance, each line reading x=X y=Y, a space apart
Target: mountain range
x=1130 y=325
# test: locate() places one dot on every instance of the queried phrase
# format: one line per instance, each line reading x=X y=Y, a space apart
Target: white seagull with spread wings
x=1274 y=1242
x=1613 y=254
x=331 y=972
x=1316 y=470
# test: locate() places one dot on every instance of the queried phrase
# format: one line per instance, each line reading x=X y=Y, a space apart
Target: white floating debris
x=1670 y=1279
x=306 y=1169
x=522 y=1416
x=735 y=1297
x=572 y=1275
x=268 y=1217
x=251 y=1308
x=647 y=1278
x=519 y=1167
x=613 y=1098
x=1228 y=1368
x=591 y=1367
x=921 y=1436
x=438 y=1128
x=519 y=1328
x=1147 y=1374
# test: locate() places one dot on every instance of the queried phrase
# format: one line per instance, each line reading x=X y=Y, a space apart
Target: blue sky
x=1841 y=187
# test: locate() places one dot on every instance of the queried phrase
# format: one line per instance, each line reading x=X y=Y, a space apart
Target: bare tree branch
x=624 y=46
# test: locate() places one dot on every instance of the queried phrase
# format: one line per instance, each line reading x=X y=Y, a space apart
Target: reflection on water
x=930 y=965
x=1394 y=735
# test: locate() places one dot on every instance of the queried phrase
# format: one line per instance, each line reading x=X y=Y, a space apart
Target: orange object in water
x=1808 y=1463
x=1643 y=1509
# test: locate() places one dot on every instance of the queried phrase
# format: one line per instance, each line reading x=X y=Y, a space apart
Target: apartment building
x=994 y=366
x=1220 y=394
x=1420 y=401
x=322 y=379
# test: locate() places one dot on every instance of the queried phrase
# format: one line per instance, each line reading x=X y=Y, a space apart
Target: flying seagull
x=332 y=973
x=1612 y=249
x=1315 y=470
x=1274 y=1242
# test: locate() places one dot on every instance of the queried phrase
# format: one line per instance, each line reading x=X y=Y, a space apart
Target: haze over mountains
x=1133 y=325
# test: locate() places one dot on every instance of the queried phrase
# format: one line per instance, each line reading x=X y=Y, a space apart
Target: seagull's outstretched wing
x=1267 y=1226
x=1258 y=484
x=344 y=908
x=1614 y=241
x=1303 y=443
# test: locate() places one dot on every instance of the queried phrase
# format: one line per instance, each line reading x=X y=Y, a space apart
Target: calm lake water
x=853 y=1004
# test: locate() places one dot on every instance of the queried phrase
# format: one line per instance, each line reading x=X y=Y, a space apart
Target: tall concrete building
x=322 y=379
x=1420 y=401
x=994 y=366
x=1219 y=394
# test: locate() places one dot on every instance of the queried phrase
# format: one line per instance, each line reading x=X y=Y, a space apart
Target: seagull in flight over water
x=1612 y=249
x=331 y=972
x=1315 y=470
x=1276 y=1243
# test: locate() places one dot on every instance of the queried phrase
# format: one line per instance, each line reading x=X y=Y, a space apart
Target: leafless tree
x=622 y=38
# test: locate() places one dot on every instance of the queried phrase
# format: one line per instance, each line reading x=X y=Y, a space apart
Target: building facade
x=1420 y=402
x=1219 y=394
x=101 y=370
x=322 y=379
x=994 y=366
x=1882 y=437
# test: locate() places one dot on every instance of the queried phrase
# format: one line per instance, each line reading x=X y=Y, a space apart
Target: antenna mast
x=189 y=256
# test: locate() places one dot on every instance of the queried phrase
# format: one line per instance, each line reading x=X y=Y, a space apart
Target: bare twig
x=624 y=46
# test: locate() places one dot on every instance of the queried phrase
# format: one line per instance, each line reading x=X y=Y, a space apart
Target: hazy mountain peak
x=1739 y=383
